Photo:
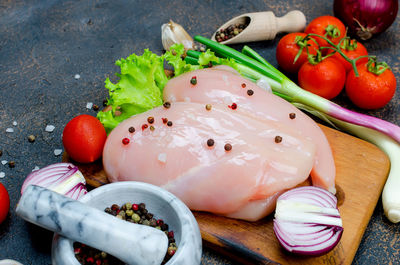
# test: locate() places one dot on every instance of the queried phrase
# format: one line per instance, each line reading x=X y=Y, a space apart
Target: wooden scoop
x=264 y=26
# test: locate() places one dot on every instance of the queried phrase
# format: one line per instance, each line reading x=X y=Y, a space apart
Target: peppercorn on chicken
x=221 y=144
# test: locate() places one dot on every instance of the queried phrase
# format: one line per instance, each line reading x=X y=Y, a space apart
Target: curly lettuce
x=141 y=83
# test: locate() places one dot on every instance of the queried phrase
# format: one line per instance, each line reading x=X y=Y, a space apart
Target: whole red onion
x=366 y=18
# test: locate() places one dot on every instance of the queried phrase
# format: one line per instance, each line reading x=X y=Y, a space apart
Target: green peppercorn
x=146 y=222
x=129 y=212
x=128 y=206
x=135 y=217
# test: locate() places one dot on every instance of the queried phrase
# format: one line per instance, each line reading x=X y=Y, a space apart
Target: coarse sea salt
x=35 y=168
x=10 y=130
x=77 y=76
x=4 y=162
x=2 y=175
x=15 y=123
x=50 y=128
x=162 y=157
x=57 y=152
x=89 y=105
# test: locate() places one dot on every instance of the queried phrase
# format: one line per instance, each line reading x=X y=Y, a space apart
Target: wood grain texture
x=361 y=170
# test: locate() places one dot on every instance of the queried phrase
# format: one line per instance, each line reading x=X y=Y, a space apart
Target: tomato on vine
x=374 y=86
x=327 y=26
x=293 y=49
x=352 y=49
x=322 y=76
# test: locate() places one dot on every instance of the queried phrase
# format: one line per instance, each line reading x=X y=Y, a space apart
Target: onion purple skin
x=366 y=18
x=316 y=253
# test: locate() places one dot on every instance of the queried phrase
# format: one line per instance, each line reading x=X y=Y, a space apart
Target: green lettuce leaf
x=141 y=83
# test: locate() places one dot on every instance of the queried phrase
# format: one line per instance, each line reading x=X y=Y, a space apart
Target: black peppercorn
x=167 y=105
x=292 y=115
x=278 y=139
x=169 y=123
x=228 y=147
x=210 y=142
x=131 y=129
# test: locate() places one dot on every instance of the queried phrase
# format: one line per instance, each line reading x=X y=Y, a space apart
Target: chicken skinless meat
x=266 y=157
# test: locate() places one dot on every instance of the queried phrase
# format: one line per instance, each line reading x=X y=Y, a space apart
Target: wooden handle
x=294 y=21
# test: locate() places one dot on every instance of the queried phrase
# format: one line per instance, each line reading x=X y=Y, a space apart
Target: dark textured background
x=43 y=44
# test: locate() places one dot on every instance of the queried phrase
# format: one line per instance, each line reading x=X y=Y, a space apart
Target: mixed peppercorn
x=134 y=213
x=230 y=32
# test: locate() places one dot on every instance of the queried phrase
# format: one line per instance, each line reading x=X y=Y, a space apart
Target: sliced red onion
x=307 y=221
x=64 y=178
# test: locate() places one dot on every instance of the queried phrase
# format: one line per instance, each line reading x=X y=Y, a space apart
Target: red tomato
x=353 y=50
x=287 y=50
x=4 y=203
x=328 y=26
x=325 y=78
x=83 y=138
x=368 y=90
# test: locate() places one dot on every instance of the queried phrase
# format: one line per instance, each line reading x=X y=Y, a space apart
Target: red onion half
x=366 y=18
x=64 y=178
x=307 y=221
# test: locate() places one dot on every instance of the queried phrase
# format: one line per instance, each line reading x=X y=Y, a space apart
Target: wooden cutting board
x=361 y=174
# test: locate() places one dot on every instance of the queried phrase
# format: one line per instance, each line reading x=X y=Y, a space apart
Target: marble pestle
x=131 y=243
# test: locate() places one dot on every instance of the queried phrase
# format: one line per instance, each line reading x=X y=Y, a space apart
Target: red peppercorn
x=135 y=207
x=77 y=250
x=90 y=259
x=125 y=141
x=243 y=85
x=233 y=106
x=171 y=252
x=144 y=127
x=171 y=234
x=164 y=120
x=98 y=262
x=160 y=222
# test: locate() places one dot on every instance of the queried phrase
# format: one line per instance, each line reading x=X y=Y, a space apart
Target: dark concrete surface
x=44 y=44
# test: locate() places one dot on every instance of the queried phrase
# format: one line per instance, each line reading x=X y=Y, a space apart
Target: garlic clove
x=172 y=33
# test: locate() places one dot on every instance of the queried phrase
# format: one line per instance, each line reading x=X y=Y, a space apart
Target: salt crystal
x=50 y=128
x=162 y=157
x=2 y=175
x=57 y=152
x=4 y=162
x=10 y=130
x=77 y=76
x=15 y=123
x=89 y=105
x=35 y=168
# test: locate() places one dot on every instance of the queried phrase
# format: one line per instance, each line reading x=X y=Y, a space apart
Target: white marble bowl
x=160 y=202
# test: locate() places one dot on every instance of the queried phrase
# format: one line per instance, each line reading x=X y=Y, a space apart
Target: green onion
x=297 y=94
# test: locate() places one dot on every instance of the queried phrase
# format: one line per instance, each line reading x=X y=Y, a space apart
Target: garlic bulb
x=172 y=33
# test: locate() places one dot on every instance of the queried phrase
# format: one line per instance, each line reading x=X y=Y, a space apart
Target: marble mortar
x=163 y=204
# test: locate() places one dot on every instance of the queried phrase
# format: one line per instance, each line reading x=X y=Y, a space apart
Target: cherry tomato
x=288 y=48
x=4 y=203
x=369 y=90
x=325 y=78
x=83 y=138
x=328 y=26
x=353 y=49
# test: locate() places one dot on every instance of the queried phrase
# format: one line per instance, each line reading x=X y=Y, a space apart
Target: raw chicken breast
x=223 y=86
x=177 y=157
